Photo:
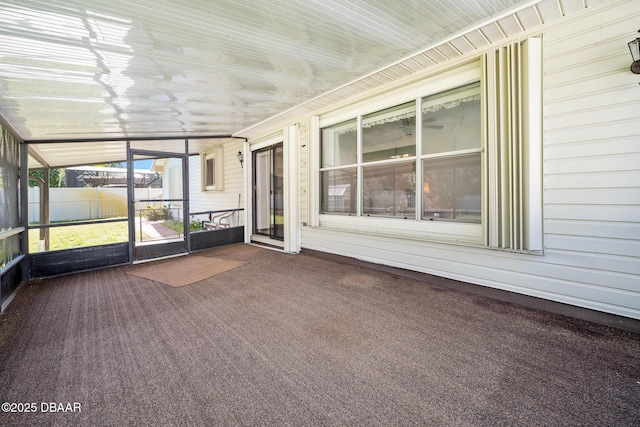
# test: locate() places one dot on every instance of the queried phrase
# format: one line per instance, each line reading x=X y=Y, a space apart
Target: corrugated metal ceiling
x=119 y=69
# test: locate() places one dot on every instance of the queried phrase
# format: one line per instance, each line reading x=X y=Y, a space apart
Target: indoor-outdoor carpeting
x=303 y=341
x=184 y=271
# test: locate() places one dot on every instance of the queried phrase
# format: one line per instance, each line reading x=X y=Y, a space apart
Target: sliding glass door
x=268 y=190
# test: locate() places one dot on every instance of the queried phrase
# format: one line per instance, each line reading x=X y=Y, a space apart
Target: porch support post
x=45 y=233
x=185 y=196
x=131 y=204
x=24 y=210
x=247 y=183
x=291 y=178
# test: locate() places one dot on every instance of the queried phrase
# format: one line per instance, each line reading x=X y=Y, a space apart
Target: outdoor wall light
x=634 y=47
x=240 y=157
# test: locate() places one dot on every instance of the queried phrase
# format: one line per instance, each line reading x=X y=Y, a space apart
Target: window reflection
x=389 y=190
x=452 y=139
x=339 y=144
x=451 y=121
x=452 y=188
x=339 y=191
x=390 y=133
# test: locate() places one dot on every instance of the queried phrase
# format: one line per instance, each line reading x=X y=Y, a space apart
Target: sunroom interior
x=105 y=83
x=125 y=201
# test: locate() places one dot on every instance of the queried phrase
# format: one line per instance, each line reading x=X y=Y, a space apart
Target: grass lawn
x=176 y=226
x=173 y=224
x=82 y=235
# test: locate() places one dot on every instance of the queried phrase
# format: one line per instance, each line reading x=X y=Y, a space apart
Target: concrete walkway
x=156 y=231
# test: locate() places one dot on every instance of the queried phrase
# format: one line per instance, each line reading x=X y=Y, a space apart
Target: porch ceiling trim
x=521 y=20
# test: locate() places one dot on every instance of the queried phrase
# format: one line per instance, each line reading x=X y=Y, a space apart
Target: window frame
x=413 y=227
x=216 y=157
x=441 y=97
x=512 y=211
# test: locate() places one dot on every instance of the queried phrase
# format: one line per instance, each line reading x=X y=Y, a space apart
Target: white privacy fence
x=73 y=204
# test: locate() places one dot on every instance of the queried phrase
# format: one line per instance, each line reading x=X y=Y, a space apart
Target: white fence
x=73 y=204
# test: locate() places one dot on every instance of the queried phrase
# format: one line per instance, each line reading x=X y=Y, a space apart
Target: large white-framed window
x=369 y=164
x=388 y=162
x=456 y=157
x=212 y=170
x=339 y=159
x=451 y=155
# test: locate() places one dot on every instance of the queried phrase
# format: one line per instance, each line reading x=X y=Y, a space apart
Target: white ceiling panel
x=493 y=32
x=88 y=69
x=477 y=39
x=510 y=25
x=412 y=65
x=424 y=60
x=462 y=45
x=572 y=6
x=436 y=55
x=64 y=154
x=162 y=67
x=550 y=10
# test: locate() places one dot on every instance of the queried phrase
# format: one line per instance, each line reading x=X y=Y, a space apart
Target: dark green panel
x=67 y=261
x=212 y=238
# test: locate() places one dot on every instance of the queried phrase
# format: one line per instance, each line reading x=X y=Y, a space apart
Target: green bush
x=156 y=214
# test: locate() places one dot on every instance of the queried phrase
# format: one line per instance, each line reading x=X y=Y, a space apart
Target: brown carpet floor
x=302 y=341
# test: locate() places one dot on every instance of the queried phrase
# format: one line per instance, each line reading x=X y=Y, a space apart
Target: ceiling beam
x=144 y=138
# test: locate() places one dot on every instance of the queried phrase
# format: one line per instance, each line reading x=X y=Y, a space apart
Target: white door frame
x=290 y=138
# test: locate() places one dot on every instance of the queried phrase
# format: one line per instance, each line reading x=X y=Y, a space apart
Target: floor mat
x=184 y=271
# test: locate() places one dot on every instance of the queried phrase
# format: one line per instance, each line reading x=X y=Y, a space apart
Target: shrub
x=195 y=224
x=156 y=214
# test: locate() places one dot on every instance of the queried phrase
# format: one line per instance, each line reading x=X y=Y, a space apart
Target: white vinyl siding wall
x=591 y=182
x=304 y=176
x=591 y=151
x=171 y=169
x=233 y=190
